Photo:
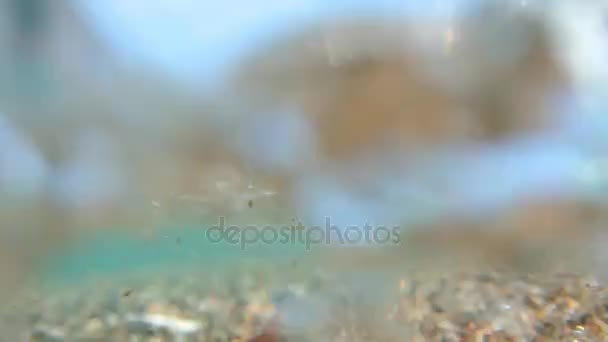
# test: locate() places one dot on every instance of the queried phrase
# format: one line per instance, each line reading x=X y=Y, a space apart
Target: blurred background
x=479 y=127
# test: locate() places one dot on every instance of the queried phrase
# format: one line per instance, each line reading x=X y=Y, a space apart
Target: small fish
x=250 y=203
x=127 y=292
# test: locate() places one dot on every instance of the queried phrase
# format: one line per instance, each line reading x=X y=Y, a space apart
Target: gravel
x=274 y=305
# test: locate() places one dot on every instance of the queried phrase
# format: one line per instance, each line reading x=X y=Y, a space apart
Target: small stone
x=47 y=334
x=94 y=329
x=156 y=339
x=161 y=322
x=139 y=327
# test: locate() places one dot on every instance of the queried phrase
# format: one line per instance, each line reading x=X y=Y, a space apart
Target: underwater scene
x=303 y=170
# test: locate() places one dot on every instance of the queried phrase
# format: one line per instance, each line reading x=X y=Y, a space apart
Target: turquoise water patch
x=113 y=252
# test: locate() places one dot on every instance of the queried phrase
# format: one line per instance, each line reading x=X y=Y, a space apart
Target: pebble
x=47 y=334
x=94 y=329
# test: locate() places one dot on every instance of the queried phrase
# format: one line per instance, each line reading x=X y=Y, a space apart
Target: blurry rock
x=368 y=84
x=531 y=236
x=374 y=94
x=510 y=71
x=539 y=234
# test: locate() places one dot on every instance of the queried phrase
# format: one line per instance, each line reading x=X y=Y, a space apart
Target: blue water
x=112 y=252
